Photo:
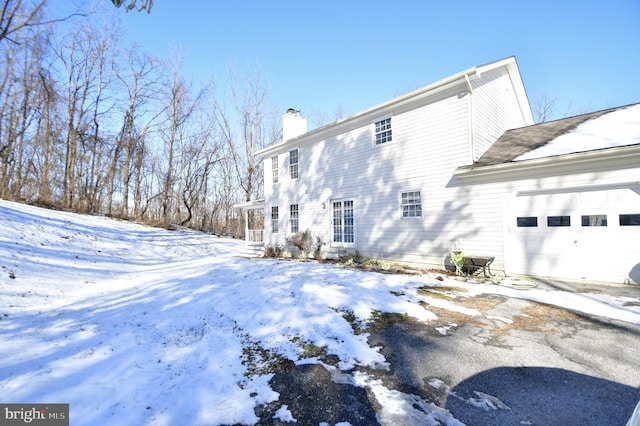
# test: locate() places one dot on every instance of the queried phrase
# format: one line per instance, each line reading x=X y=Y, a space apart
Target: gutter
x=624 y=152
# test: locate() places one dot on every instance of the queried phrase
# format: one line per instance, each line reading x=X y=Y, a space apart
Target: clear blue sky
x=317 y=55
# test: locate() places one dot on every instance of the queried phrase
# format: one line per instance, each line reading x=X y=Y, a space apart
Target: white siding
x=495 y=108
x=428 y=144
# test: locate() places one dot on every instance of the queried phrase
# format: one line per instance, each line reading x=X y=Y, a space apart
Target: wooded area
x=90 y=124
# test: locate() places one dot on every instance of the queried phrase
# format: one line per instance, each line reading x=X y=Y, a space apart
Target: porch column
x=247 y=237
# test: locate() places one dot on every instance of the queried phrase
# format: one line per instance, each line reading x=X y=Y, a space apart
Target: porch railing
x=255 y=235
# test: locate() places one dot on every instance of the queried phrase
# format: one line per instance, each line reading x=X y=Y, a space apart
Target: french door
x=343 y=233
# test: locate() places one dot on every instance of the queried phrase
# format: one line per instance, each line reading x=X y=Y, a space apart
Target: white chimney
x=293 y=124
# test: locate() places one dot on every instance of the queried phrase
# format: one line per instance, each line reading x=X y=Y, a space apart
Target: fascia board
x=520 y=167
x=257 y=204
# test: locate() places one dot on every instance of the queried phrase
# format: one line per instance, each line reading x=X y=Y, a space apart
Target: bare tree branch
x=13 y=18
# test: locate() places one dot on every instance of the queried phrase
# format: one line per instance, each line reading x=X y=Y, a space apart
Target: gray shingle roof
x=516 y=142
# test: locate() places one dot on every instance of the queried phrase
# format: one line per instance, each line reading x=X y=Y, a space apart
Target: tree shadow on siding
x=350 y=167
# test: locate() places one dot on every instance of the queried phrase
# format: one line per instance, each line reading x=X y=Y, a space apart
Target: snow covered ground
x=137 y=325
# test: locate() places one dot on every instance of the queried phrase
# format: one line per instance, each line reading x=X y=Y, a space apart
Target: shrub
x=273 y=251
x=303 y=241
x=317 y=254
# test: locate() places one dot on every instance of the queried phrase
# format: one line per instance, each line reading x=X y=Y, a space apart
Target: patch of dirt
x=480 y=303
x=534 y=317
x=538 y=317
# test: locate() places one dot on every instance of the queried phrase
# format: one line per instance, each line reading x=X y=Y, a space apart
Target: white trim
x=250 y=205
x=400 y=205
x=297 y=163
x=342 y=244
x=275 y=177
x=290 y=221
x=277 y=231
x=374 y=133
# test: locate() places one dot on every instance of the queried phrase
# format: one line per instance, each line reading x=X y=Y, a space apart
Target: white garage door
x=589 y=235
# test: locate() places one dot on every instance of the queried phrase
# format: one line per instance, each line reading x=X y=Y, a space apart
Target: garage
x=587 y=234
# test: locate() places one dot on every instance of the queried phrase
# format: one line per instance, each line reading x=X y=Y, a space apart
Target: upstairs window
x=293 y=163
x=274 y=219
x=383 y=131
x=411 y=205
x=274 y=169
x=294 y=215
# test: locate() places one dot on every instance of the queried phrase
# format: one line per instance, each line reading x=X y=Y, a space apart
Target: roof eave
x=540 y=163
x=249 y=205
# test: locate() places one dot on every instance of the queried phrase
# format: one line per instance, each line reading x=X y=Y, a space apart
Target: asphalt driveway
x=519 y=363
x=545 y=367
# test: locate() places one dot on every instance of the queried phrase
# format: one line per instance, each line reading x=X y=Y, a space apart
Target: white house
x=406 y=179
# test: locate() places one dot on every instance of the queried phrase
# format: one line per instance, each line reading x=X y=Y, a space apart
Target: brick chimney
x=293 y=124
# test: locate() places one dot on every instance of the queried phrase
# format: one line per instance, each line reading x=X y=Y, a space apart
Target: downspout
x=472 y=127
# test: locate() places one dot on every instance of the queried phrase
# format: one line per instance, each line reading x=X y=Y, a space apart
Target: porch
x=253 y=228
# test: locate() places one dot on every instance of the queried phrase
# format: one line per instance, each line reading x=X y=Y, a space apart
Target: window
x=558 y=221
x=294 y=213
x=527 y=222
x=293 y=163
x=629 y=219
x=343 y=222
x=274 y=219
x=383 y=131
x=411 y=205
x=274 y=169
x=594 y=220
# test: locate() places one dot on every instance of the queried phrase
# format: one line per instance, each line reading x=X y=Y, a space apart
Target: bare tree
x=99 y=77
x=21 y=95
x=140 y=81
x=321 y=118
x=44 y=160
x=199 y=156
x=76 y=55
x=180 y=103
x=544 y=107
x=247 y=126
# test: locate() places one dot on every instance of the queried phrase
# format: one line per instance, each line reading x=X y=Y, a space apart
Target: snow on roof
x=618 y=128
